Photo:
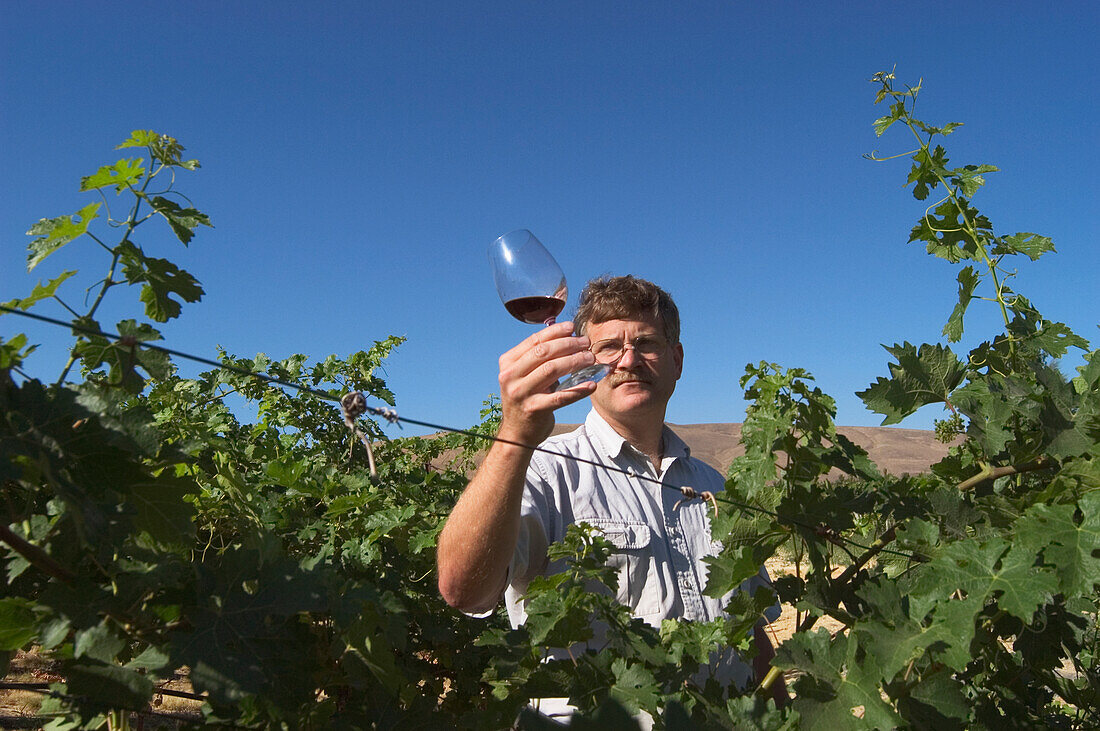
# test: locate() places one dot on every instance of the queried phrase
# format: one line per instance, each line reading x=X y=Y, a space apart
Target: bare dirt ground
x=18 y=708
x=784 y=627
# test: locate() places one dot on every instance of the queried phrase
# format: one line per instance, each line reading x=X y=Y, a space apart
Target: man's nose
x=629 y=357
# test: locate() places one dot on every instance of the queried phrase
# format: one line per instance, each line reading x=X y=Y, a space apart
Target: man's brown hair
x=627 y=298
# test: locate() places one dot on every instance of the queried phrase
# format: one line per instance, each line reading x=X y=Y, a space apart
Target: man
x=520 y=501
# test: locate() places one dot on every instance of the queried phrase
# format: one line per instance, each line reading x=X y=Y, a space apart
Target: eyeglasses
x=645 y=347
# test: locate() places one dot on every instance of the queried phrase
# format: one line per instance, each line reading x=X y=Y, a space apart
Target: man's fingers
x=531 y=376
x=543 y=338
x=558 y=399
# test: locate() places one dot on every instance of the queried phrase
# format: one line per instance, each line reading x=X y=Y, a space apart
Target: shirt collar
x=612 y=444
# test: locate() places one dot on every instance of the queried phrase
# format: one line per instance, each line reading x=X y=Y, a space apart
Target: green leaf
x=969 y=178
x=110 y=686
x=1031 y=245
x=183 y=221
x=123 y=358
x=938 y=702
x=949 y=231
x=635 y=687
x=735 y=565
x=14 y=351
x=242 y=599
x=99 y=642
x=40 y=292
x=152 y=658
x=927 y=170
x=53 y=233
x=968 y=279
x=162 y=279
x=920 y=377
x=1065 y=426
x=897 y=111
x=162 y=509
x=140 y=138
x=1053 y=338
x=990 y=413
x=1068 y=546
x=982 y=569
x=123 y=174
x=838 y=691
x=17 y=623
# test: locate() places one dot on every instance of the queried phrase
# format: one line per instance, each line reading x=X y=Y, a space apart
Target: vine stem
x=969 y=225
x=873 y=550
x=992 y=473
x=131 y=223
x=35 y=555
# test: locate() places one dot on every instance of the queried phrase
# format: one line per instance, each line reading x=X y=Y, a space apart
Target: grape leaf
x=1067 y=546
x=969 y=178
x=161 y=279
x=99 y=642
x=123 y=174
x=17 y=623
x=1029 y=244
x=947 y=237
x=968 y=279
x=927 y=171
x=919 y=377
x=40 y=292
x=123 y=358
x=110 y=686
x=837 y=685
x=1064 y=425
x=53 y=233
x=635 y=687
x=163 y=510
x=989 y=412
x=139 y=138
x=182 y=220
x=937 y=702
x=983 y=569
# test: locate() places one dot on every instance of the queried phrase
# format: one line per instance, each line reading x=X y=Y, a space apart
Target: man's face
x=641 y=383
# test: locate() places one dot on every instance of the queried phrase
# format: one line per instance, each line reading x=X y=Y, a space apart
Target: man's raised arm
x=479 y=538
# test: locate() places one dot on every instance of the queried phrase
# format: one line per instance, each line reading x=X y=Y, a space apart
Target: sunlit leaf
x=53 y=233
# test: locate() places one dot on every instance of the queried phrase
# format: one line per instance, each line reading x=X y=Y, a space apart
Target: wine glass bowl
x=532 y=287
x=529 y=280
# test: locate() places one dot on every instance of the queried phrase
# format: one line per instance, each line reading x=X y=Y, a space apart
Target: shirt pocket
x=633 y=559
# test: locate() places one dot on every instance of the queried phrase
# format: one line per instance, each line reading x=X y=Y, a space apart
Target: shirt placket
x=683 y=567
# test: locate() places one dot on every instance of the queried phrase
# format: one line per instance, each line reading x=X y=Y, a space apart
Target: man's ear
x=678 y=359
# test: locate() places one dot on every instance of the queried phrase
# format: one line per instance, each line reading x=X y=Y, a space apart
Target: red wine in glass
x=535 y=310
x=532 y=287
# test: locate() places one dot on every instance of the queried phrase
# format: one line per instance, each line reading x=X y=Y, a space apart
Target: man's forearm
x=477 y=542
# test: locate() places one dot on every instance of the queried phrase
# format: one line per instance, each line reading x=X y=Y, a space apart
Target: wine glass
x=532 y=287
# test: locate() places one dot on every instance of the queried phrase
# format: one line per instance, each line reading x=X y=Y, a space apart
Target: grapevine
x=150 y=529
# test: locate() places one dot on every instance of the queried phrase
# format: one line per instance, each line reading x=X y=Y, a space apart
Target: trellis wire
x=391 y=416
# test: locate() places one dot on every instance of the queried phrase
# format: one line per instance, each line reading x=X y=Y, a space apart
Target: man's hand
x=477 y=542
x=530 y=370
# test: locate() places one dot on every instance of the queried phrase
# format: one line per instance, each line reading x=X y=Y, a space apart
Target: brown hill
x=896 y=451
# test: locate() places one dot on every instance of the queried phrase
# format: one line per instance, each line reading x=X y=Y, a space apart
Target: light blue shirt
x=660 y=549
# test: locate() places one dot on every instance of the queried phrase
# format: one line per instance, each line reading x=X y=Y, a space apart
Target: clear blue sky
x=359 y=157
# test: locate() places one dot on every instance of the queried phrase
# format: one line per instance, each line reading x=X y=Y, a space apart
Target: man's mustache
x=618 y=377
